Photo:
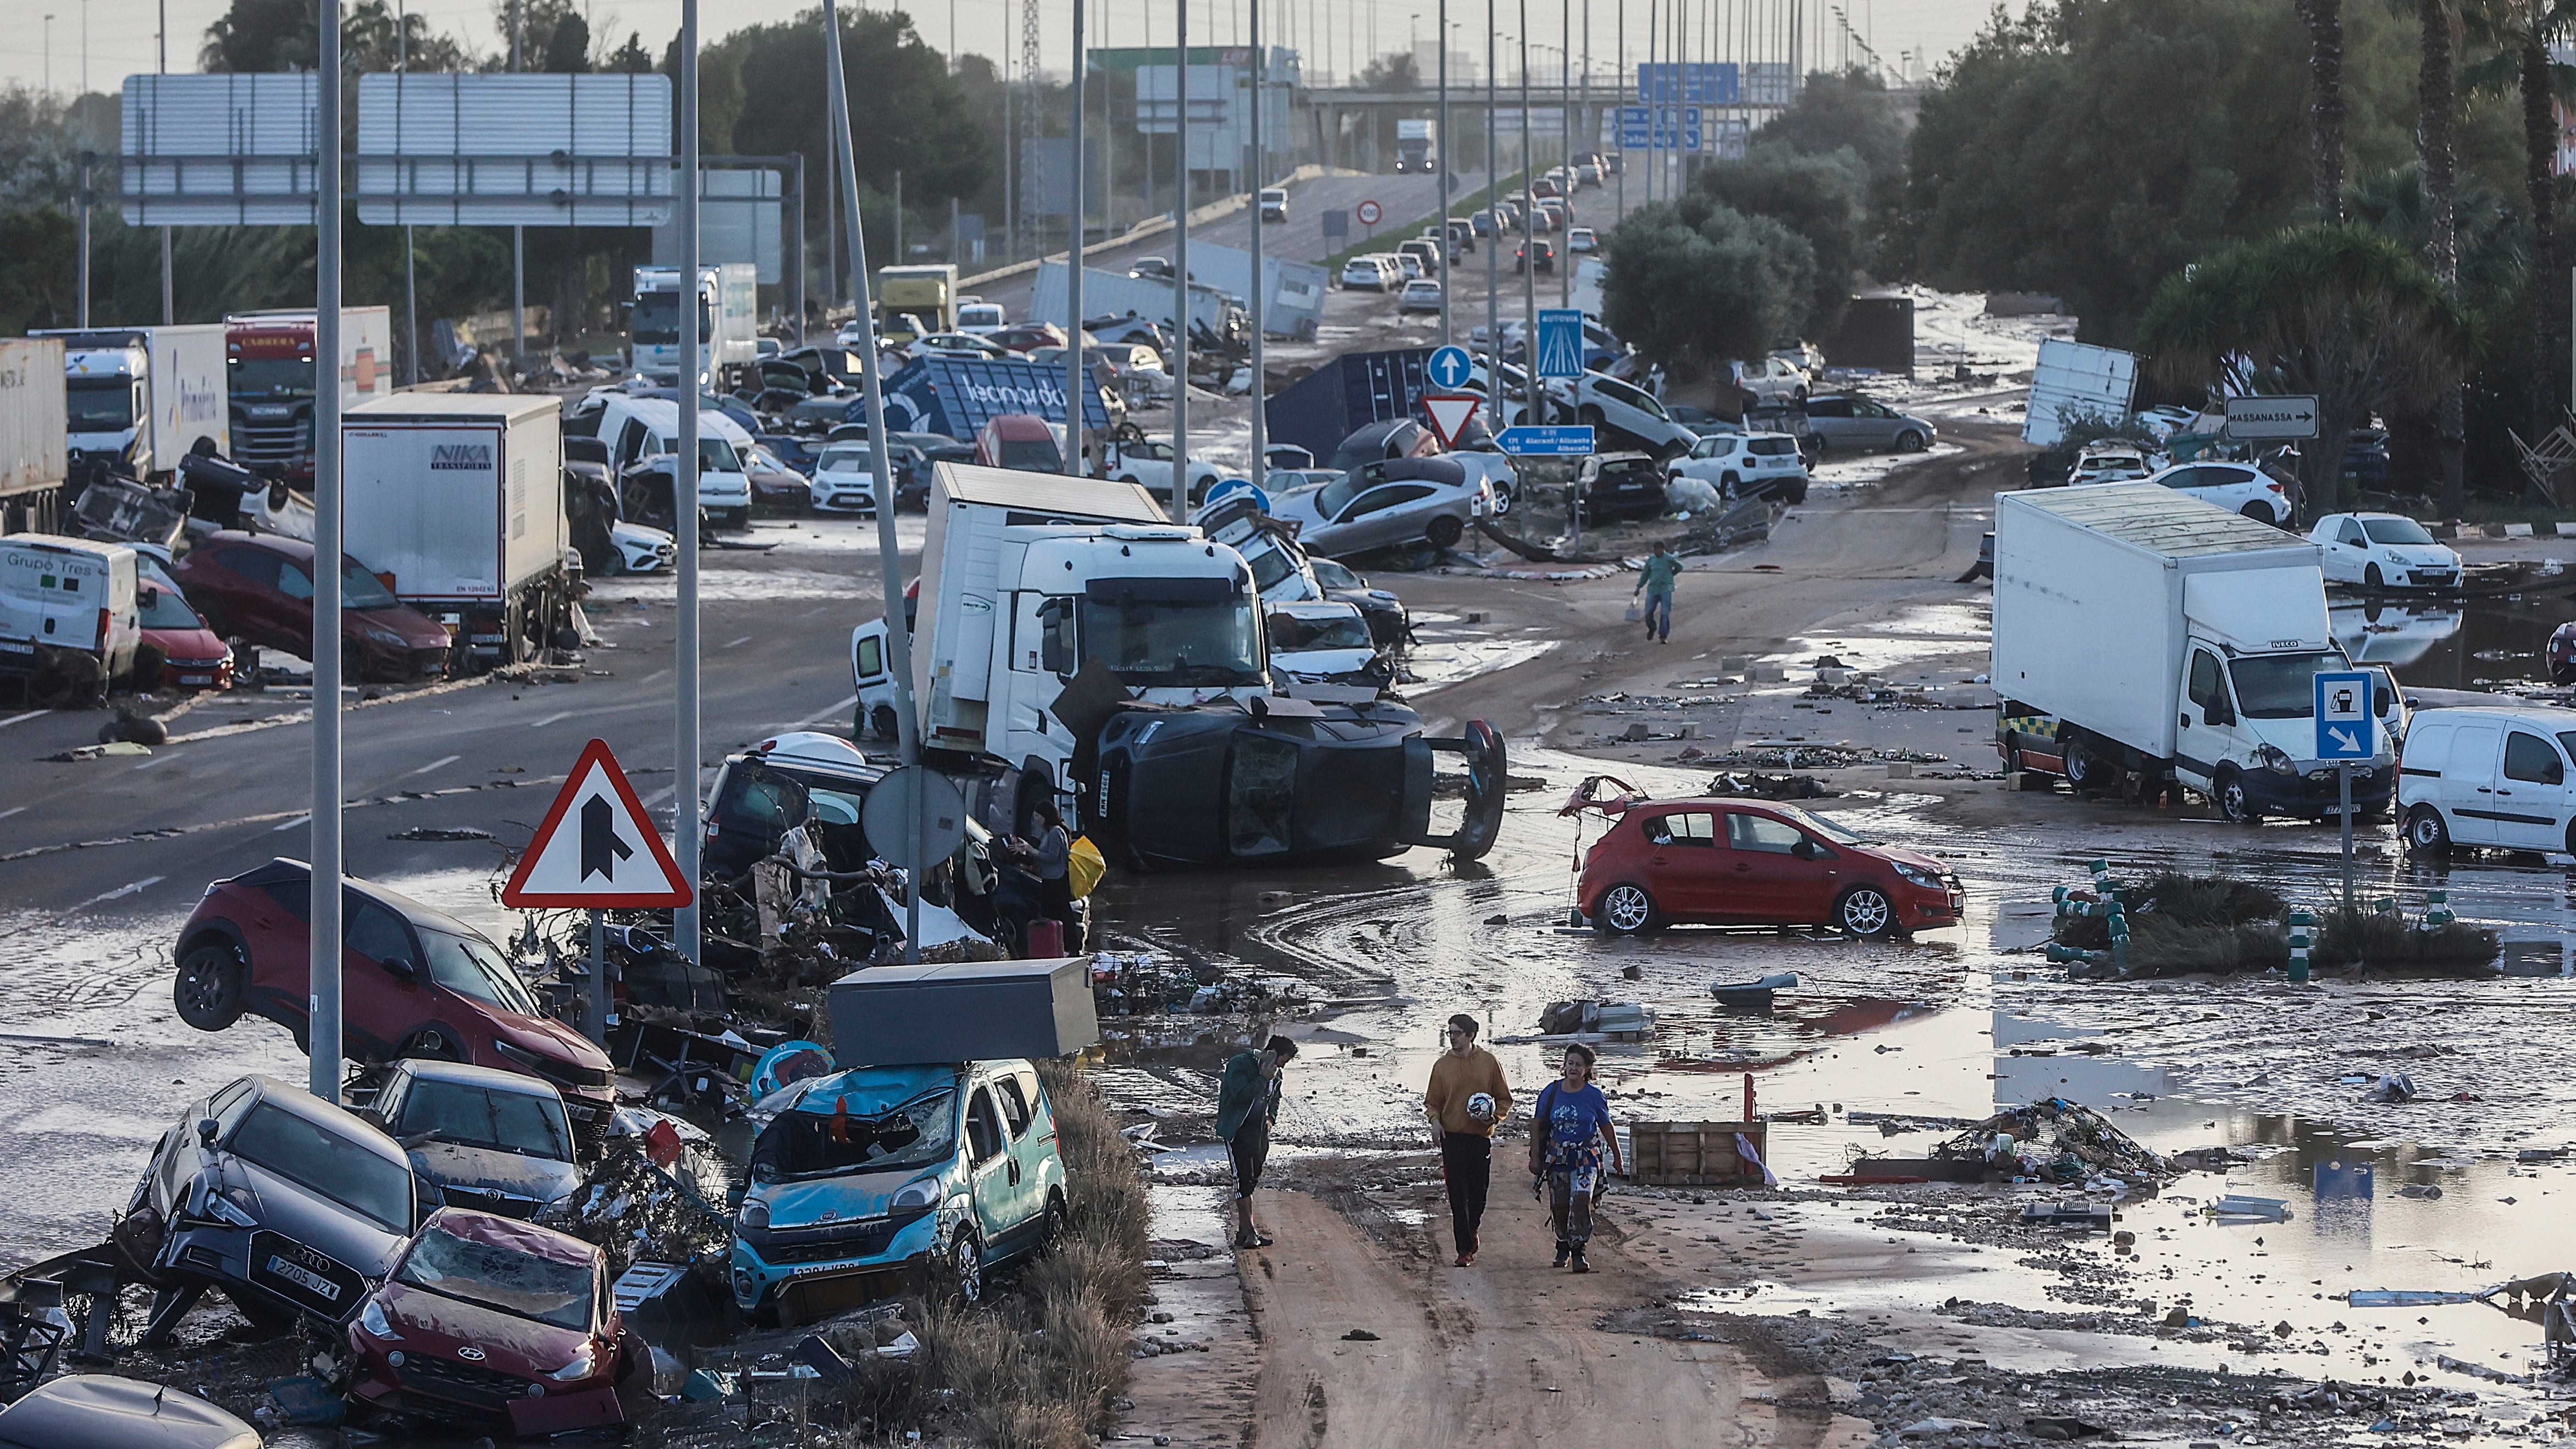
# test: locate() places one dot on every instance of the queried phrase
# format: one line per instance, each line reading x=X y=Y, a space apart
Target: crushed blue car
x=868 y=1182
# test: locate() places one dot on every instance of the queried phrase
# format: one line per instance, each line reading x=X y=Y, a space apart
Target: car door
x=293 y=609
x=992 y=1176
x=2201 y=738
x=1770 y=872
x=1681 y=864
x=1028 y=1180
x=1380 y=517
x=2349 y=554
x=1830 y=418
x=2469 y=783
x=385 y=994
x=2531 y=793
x=249 y=602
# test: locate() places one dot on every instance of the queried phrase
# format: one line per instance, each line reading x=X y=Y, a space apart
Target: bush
x=2184 y=925
x=2392 y=943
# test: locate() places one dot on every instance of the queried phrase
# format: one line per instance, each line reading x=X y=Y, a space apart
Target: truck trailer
x=34 y=462
x=459 y=498
x=138 y=398
x=2143 y=638
x=728 y=322
x=1114 y=295
x=269 y=373
x=1414 y=145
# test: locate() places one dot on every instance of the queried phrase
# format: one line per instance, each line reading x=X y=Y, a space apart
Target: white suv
x=2236 y=487
x=1773 y=379
x=1746 y=465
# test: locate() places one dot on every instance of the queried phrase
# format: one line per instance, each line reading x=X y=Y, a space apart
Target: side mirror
x=402 y=969
x=1806 y=850
x=207 y=1127
x=149 y=597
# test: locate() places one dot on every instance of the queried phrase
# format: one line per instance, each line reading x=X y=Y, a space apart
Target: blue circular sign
x=1228 y=487
x=1450 y=367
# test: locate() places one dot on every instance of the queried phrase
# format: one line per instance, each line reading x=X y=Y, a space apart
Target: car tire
x=1800 y=396
x=2428 y=834
x=1628 y=910
x=964 y=1265
x=211 y=986
x=2084 y=769
x=2260 y=513
x=1912 y=441
x=883 y=724
x=1445 y=532
x=2235 y=804
x=1866 y=912
x=1502 y=499
x=2372 y=579
x=1059 y=1224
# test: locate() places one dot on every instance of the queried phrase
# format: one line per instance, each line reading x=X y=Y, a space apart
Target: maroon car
x=486 y=1320
x=414 y=982
x=258 y=587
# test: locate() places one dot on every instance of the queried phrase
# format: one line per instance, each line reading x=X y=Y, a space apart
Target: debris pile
x=654 y=1197
x=1147 y=983
x=2057 y=1141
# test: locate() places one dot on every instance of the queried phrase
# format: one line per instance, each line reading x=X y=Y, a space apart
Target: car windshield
x=163 y=608
x=825 y=1138
x=269 y=377
x=1269 y=566
x=100 y=404
x=2278 y=686
x=1336 y=631
x=1333 y=574
x=1154 y=638
x=1337 y=495
x=471 y=1116
x=715 y=455
x=1031 y=455
x=321 y=1161
x=360 y=589
x=845 y=460
x=2395 y=530
x=512 y=1280
x=473 y=969
x=1815 y=824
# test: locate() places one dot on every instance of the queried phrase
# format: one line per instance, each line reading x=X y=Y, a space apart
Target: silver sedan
x=1387 y=503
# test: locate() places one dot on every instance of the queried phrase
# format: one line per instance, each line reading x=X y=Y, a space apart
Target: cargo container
x=1114 y=295
x=1347 y=394
x=1292 y=307
x=33 y=457
x=963 y=1011
x=957 y=396
x=927 y=291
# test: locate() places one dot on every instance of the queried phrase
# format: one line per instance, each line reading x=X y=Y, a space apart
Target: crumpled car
x=1326 y=641
x=480 y=1137
x=101 y=1411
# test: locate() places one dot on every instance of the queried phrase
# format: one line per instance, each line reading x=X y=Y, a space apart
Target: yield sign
x=596 y=848
x=1449 y=414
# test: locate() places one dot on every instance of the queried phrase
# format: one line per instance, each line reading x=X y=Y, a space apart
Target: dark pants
x=1250 y=1150
x=1469 y=1160
x=1659 y=616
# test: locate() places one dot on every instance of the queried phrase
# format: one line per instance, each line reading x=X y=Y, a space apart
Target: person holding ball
x=1466 y=1101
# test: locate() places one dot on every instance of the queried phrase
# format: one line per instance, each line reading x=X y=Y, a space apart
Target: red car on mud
x=259 y=587
x=1729 y=862
x=489 y=1321
x=415 y=982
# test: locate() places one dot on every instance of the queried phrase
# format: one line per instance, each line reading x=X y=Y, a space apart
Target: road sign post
x=1553 y=441
x=2347 y=730
x=1370 y=214
x=1449 y=414
x=596 y=848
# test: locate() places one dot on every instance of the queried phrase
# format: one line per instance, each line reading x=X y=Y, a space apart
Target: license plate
x=305 y=1278
x=196 y=679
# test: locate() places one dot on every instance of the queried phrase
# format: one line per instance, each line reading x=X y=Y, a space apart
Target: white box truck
x=68 y=621
x=2143 y=637
x=459 y=498
x=139 y=397
x=1414 y=142
x=2074 y=381
x=728 y=322
x=33 y=461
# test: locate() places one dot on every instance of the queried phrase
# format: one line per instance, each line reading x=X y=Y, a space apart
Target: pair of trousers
x=1659 y=615
x=1569 y=1201
x=1468 y=1162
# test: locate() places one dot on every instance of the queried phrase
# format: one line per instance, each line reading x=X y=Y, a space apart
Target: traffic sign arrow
x=610 y=856
x=2345 y=740
x=1449 y=414
x=1449 y=368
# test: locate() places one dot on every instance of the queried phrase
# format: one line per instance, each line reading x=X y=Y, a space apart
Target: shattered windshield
x=514 y=1281
x=469 y=1116
x=1171 y=641
x=1334 y=631
x=306 y=1154
x=826 y=1138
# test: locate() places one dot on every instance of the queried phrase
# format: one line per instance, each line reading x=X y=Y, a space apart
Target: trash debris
x=1359 y=1335
x=2421 y=1191
x=2055 y=1140
x=2066 y=1215
x=432 y=832
x=308 y=1402
x=1926 y=1428
x=1753 y=993
x=2412 y=1297
x=110 y=750
x=1761 y=786
x=2392 y=1087
x=2249 y=1209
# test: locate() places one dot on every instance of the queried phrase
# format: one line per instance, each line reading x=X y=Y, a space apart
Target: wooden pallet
x=1694 y=1154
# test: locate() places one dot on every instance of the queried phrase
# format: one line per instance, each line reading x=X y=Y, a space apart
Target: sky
x=122 y=35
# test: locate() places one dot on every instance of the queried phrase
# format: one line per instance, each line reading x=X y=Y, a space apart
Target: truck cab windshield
x=2277 y=686
x=1173 y=632
x=100 y=405
x=657 y=319
x=270 y=377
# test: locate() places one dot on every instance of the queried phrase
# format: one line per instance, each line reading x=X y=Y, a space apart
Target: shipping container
x=1292 y=307
x=1114 y=294
x=964 y=1011
x=1347 y=394
x=33 y=457
x=1876 y=335
x=2075 y=381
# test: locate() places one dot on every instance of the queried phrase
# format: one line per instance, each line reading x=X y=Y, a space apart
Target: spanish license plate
x=304 y=1278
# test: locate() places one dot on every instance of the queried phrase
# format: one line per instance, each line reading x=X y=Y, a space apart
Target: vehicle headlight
x=921 y=1192
x=373 y=1323
x=755 y=1214
x=383 y=636
x=1917 y=875
x=2271 y=758
x=580 y=1367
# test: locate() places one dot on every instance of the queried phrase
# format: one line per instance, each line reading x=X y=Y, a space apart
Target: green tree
x=906 y=110
x=1395 y=72
x=2438 y=22
x=2324 y=19
x=568 y=48
x=1694 y=284
x=256 y=36
x=2341 y=312
x=2523 y=34
x=1821 y=198
x=1854 y=111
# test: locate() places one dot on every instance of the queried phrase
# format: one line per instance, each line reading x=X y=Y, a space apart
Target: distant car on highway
x=1582 y=241
x=1274 y=203
x=1374 y=272
x=1422 y=294
x=1536 y=252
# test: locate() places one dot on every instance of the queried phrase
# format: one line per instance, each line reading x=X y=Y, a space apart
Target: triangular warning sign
x=1449 y=413
x=596 y=847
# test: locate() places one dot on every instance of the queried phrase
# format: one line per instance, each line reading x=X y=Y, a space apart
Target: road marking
x=156 y=760
x=649 y=678
x=123 y=891
x=658 y=796
x=12 y=810
x=552 y=719
x=438 y=764
x=23 y=718
x=827 y=714
x=299 y=820
x=745 y=639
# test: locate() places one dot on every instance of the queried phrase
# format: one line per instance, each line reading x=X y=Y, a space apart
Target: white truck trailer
x=728 y=321
x=2146 y=638
x=138 y=398
x=459 y=497
x=33 y=460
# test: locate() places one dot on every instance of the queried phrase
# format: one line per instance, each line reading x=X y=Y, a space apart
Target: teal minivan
x=865 y=1181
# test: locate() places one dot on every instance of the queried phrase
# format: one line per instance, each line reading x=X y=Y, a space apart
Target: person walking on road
x=1247 y=1105
x=1655 y=582
x=1568 y=1129
x=1465 y=1100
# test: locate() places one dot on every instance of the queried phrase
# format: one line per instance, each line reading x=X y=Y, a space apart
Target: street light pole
x=1260 y=470
x=322 y=963
x=1181 y=266
x=1076 y=368
x=1565 y=133
x=1493 y=231
x=169 y=308
x=685 y=748
x=1537 y=410
x=1440 y=149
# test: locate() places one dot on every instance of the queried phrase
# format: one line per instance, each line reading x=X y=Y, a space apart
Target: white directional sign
x=596 y=847
x=2255 y=419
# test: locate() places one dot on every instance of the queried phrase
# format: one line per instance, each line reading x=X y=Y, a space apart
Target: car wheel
x=965 y=1265
x=2084 y=769
x=1626 y=910
x=1800 y=395
x=2235 y=803
x=1059 y=1223
x=882 y=722
x=1502 y=499
x=2427 y=834
x=1912 y=441
x=210 y=986
x=1445 y=532
x=2260 y=513
x=1866 y=912
x=2372 y=579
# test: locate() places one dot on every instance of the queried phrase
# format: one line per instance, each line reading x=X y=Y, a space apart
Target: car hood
x=1320 y=663
x=2417 y=555
x=296 y=1212
x=454 y=1164
x=414 y=627
x=821 y=1201
x=1900 y=855
x=568 y=1043
x=189 y=644
x=434 y=1324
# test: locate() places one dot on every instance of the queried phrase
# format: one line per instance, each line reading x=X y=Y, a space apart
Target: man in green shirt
x=1655 y=581
x=1247 y=1104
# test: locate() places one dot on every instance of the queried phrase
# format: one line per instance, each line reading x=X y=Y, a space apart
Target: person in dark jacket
x=1247 y=1105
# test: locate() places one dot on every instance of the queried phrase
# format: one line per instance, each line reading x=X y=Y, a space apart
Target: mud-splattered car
x=478 y=1137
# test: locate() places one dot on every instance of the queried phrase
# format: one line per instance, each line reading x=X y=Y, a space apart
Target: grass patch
x=2211 y=925
x=2391 y=943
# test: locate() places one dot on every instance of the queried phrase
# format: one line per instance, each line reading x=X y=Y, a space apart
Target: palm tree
x=2325 y=103
x=2522 y=32
x=2433 y=141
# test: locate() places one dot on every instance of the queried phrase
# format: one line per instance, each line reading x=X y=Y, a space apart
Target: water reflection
x=2399 y=636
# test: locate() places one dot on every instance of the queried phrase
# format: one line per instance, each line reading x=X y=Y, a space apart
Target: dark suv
x=415 y=982
x=1621 y=485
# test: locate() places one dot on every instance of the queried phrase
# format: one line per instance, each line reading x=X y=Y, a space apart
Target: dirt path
x=1504 y=1353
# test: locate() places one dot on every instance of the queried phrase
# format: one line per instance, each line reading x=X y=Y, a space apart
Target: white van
x=635 y=428
x=68 y=623
x=2489 y=777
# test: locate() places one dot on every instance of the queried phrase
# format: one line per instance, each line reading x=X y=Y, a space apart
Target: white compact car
x=1375 y=272
x=2383 y=550
x=1149 y=464
x=1324 y=641
x=2109 y=463
x=2489 y=777
x=2236 y=487
x=845 y=480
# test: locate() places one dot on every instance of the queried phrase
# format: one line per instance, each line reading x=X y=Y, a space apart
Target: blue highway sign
x=2346 y=727
x=1560 y=342
x=1449 y=368
x=1546 y=442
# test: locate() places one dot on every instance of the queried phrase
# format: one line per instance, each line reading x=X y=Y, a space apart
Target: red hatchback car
x=415 y=982
x=258 y=587
x=1723 y=862
x=491 y=1321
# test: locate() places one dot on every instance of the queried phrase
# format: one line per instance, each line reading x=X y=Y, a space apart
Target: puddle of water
x=1931 y=631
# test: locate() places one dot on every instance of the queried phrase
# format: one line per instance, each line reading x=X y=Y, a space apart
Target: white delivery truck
x=33 y=466
x=2142 y=636
x=458 y=499
x=728 y=322
x=68 y=622
x=138 y=398
x=1414 y=141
